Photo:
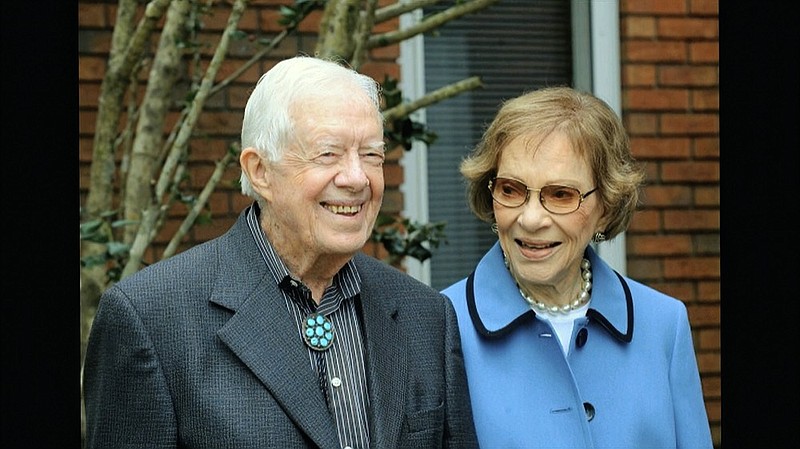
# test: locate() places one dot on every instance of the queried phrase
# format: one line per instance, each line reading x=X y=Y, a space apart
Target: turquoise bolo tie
x=318 y=332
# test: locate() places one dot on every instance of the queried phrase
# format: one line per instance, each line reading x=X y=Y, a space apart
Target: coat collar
x=265 y=339
x=495 y=311
x=262 y=334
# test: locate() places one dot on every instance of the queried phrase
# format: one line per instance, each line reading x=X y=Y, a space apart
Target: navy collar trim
x=530 y=315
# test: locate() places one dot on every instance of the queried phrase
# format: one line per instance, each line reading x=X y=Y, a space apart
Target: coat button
x=580 y=340
x=589 y=409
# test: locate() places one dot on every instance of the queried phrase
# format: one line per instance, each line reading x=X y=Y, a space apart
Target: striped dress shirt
x=340 y=369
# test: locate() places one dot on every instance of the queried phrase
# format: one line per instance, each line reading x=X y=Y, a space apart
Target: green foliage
x=101 y=230
x=403 y=131
x=291 y=16
x=403 y=237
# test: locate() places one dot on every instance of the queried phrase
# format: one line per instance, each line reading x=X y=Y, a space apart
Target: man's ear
x=255 y=168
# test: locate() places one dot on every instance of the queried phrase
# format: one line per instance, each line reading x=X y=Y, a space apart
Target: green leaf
x=116 y=249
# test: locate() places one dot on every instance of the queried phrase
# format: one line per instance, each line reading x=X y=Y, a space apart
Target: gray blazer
x=199 y=351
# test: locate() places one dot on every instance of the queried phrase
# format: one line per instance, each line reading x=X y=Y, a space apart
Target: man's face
x=325 y=193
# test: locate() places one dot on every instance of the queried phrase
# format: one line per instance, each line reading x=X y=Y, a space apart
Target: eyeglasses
x=555 y=199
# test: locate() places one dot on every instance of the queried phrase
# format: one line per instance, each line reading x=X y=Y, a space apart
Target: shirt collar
x=347 y=279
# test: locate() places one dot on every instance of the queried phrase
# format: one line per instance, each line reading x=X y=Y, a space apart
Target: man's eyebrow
x=376 y=145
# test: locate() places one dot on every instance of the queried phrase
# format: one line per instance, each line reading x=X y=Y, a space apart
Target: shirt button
x=336 y=382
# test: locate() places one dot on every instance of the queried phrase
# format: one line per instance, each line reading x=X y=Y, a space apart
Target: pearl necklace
x=582 y=299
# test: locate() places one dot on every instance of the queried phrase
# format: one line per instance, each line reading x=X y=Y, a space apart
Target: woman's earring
x=493 y=227
x=599 y=237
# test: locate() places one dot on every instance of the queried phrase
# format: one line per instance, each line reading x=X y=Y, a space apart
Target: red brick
x=688 y=28
x=393 y=175
x=703 y=315
x=644 y=148
x=91 y=15
x=707 y=7
x=683 y=291
x=638 y=27
x=689 y=124
x=208 y=150
x=705 y=100
x=239 y=202
x=652 y=172
x=86 y=122
x=220 y=123
x=713 y=408
x=644 y=269
x=311 y=23
x=392 y=202
x=667 y=196
x=88 y=95
x=706 y=196
x=389 y=54
x=692 y=268
x=653 y=6
x=686 y=220
x=706 y=147
x=656 y=99
x=708 y=291
x=268 y=20
x=85 y=149
x=689 y=76
x=91 y=68
x=640 y=123
x=649 y=51
x=646 y=221
x=659 y=245
x=712 y=387
x=690 y=172
x=709 y=339
x=638 y=75
x=704 y=52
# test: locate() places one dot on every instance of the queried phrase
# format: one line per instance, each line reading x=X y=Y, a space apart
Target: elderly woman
x=562 y=351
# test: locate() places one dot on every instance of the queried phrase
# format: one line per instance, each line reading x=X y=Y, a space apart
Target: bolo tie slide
x=318 y=332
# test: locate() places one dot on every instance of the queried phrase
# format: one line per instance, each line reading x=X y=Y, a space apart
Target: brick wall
x=670 y=106
x=670 y=91
x=219 y=125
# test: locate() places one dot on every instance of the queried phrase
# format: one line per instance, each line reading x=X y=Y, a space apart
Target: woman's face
x=543 y=248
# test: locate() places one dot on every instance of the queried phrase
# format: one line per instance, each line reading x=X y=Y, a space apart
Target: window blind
x=514 y=46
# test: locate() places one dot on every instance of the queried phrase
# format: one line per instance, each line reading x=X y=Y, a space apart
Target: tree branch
x=399 y=8
x=429 y=23
x=451 y=90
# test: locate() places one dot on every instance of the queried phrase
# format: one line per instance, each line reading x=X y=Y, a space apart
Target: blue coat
x=616 y=388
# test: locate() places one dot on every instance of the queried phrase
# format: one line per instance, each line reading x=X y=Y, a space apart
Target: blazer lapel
x=263 y=335
x=387 y=368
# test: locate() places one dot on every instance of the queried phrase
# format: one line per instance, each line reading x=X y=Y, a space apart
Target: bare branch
x=400 y=8
x=365 y=24
x=451 y=90
x=151 y=215
x=121 y=64
x=337 y=26
x=154 y=108
x=429 y=23
x=198 y=206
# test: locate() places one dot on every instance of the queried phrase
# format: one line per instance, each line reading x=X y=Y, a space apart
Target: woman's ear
x=255 y=168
